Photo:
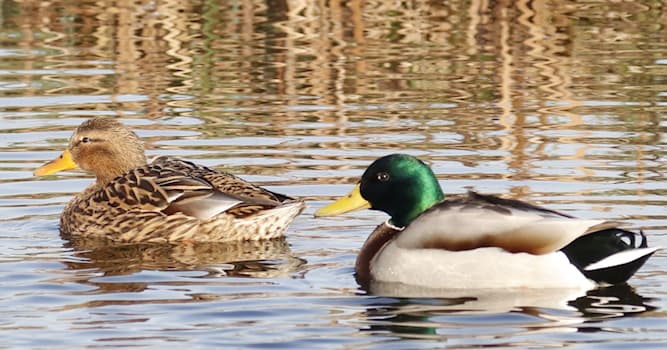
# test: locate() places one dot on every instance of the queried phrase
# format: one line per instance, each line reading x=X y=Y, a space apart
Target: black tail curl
x=596 y=246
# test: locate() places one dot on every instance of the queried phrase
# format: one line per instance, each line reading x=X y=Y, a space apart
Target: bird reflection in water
x=264 y=259
x=498 y=315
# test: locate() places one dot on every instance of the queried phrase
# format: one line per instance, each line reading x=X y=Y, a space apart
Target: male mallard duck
x=167 y=200
x=479 y=241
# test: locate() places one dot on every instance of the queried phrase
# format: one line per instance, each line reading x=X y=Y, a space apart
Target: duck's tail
x=609 y=256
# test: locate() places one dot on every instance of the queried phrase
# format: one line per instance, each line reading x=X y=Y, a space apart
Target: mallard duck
x=479 y=241
x=166 y=200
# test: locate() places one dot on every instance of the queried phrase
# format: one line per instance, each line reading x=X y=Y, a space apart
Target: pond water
x=554 y=102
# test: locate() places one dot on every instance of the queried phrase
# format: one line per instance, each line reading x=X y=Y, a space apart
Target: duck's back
x=222 y=181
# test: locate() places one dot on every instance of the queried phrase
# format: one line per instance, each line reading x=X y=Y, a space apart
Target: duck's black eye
x=85 y=139
x=383 y=177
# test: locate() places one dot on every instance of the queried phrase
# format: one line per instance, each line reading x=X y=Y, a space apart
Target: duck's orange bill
x=353 y=201
x=64 y=162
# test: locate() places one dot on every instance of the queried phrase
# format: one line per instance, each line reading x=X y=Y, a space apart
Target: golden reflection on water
x=514 y=77
x=229 y=64
x=312 y=49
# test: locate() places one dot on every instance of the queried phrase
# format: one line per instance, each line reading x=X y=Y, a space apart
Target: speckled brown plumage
x=166 y=200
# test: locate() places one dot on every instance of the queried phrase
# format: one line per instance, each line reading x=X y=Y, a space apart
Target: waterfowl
x=166 y=200
x=479 y=241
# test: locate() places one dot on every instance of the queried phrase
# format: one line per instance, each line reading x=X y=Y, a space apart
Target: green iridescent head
x=398 y=184
x=401 y=186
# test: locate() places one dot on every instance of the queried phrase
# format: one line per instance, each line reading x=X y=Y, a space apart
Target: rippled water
x=558 y=103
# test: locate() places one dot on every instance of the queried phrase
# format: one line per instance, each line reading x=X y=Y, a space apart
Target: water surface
x=554 y=102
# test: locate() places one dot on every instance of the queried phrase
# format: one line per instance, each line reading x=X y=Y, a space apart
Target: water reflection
x=502 y=314
x=612 y=301
x=483 y=300
x=261 y=259
x=294 y=52
x=515 y=78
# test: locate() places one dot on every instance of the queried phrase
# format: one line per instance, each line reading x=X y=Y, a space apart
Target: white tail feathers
x=621 y=258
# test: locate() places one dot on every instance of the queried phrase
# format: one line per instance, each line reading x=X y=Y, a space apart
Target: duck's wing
x=477 y=221
x=168 y=190
x=222 y=181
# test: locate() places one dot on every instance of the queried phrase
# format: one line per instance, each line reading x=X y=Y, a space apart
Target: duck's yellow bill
x=353 y=201
x=64 y=162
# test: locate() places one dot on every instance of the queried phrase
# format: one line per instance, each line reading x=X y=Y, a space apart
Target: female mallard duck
x=167 y=200
x=479 y=241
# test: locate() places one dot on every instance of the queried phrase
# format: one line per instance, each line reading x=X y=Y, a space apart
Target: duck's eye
x=383 y=177
x=85 y=139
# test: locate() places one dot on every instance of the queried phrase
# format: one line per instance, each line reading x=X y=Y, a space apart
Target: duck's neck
x=108 y=171
x=416 y=200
